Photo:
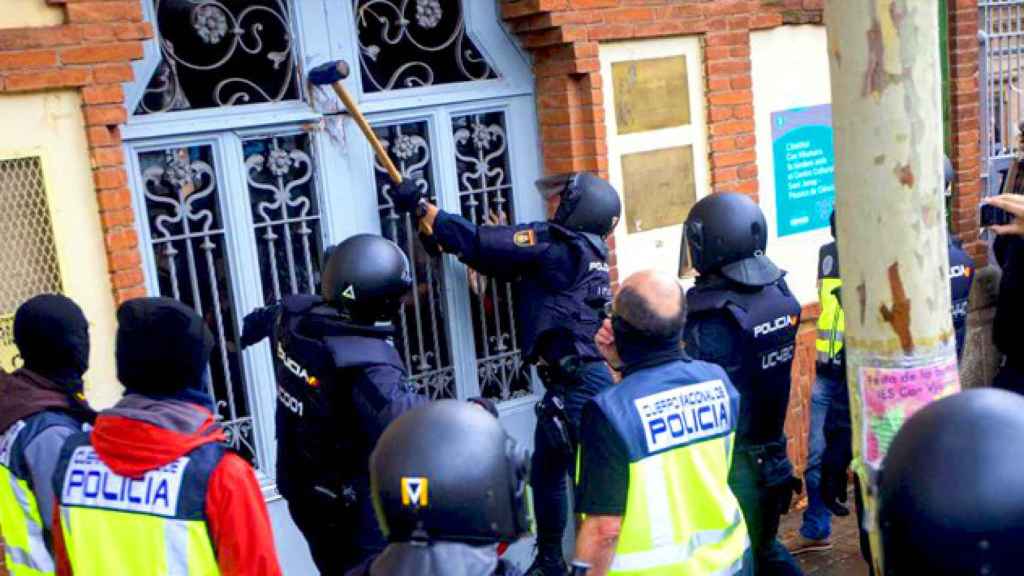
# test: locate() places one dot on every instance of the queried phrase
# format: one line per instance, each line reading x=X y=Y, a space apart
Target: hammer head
x=328 y=73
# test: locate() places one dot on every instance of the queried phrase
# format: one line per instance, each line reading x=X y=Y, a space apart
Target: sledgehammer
x=333 y=73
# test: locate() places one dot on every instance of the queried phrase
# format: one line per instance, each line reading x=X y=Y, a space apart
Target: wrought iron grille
x=186 y=229
x=411 y=43
x=28 y=254
x=285 y=213
x=221 y=53
x=485 y=193
x=423 y=338
x=1002 y=64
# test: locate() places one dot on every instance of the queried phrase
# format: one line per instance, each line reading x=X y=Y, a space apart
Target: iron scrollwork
x=221 y=53
x=423 y=337
x=285 y=211
x=412 y=43
x=485 y=192
x=187 y=236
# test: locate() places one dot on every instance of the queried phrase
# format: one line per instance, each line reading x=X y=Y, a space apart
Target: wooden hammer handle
x=357 y=115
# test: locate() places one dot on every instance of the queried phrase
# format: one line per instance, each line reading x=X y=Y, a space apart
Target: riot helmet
x=951 y=496
x=448 y=472
x=365 y=278
x=589 y=204
x=727 y=233
x=832 y=223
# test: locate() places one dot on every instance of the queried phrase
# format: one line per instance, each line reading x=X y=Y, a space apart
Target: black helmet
x=365 y=278
x=949 y=173
x=447 y=471
x=832 y=223
x=952 y=488
x=727 y=233
x=589 y=204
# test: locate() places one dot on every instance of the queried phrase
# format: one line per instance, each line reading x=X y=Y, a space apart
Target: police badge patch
x=828 y=264
x=525 y=238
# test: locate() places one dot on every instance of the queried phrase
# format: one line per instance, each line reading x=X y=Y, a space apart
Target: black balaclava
x=638 y=349
x=163 y=349
x=52 y=335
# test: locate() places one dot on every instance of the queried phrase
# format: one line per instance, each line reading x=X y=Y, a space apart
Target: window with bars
x=409 y=44
x=222 y=53
x=239 y=217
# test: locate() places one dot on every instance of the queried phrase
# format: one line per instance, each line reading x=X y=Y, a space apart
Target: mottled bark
x=886 y=101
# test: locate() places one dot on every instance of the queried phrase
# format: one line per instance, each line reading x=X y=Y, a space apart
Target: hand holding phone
x=1004 y=214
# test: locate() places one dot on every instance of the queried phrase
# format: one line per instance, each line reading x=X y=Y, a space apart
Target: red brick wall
x=91 y=52
x=966 y=123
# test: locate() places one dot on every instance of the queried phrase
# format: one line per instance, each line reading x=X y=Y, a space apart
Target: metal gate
x=1001 y=37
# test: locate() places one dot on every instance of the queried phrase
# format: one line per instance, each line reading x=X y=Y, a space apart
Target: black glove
x=406 y=196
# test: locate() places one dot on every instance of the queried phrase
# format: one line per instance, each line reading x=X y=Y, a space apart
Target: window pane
x=485 y=194
x=423 y=338
x=412 y=43
x=285 y=214
x=221 y=54
x=187 y=238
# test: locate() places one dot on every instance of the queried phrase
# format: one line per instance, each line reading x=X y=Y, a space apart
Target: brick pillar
x=965 y=104
x=92 y=52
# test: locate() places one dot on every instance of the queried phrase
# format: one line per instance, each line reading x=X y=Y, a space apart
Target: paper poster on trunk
x=804 y=168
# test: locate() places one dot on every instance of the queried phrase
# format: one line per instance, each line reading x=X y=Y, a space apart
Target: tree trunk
x=887 y=114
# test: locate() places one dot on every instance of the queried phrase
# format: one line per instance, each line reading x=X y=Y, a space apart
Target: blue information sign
x=804 y=168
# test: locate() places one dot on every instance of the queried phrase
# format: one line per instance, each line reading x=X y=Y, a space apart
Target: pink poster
x=891 y=395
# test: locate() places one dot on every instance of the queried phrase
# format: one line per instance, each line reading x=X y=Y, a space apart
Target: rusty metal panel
x=659 y=188
x=651 y=94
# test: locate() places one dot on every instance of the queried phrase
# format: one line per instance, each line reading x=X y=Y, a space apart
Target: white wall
x=789 y=70
x=50 y=125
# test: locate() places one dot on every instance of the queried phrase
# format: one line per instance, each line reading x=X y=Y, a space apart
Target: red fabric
x=237 y=516
x=60 y=553
x=132 y=447
x=238 y=521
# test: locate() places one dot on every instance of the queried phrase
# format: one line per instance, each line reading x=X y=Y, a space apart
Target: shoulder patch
x=525 y=238
x=828 y=264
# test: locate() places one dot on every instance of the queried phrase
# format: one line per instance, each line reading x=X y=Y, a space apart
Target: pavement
x=842 y=560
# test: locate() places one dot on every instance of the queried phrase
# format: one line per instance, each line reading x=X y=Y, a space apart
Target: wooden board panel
x=659 y=188
x=651 y=94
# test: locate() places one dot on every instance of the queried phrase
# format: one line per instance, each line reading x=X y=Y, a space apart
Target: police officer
x=951 y=494
x=744 y=318
x=448 y=484
x=829 y=386
x=152 y=489
x=961 y=274
x=340 y=382
x=560 y=269
x=41 y=405
x=655 y=450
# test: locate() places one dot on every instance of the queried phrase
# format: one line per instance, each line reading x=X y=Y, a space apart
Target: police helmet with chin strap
x=726 y=233
x=951 y=489
x=365 y=279
x=589 y=204
x=448 y=472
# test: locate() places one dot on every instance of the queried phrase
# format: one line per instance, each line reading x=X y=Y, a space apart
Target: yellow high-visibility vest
x=150 y=526
x=25 y=550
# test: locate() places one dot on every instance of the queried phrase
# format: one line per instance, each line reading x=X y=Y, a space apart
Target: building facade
x=173 y=147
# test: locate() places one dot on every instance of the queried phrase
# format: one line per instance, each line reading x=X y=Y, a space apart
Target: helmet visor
x=554 y=185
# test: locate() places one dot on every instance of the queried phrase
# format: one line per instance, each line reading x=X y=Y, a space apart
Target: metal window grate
x=28 y=254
